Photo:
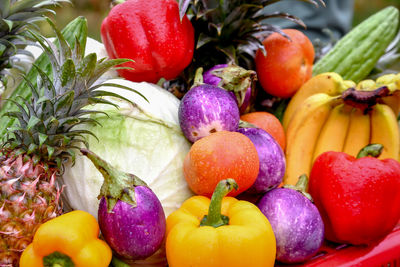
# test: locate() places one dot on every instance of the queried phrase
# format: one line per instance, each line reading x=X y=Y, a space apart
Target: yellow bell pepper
x=198 y=235
x=68 y=240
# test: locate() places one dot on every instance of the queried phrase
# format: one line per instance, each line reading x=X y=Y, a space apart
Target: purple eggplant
x=131 y=218
x=238 y=81
x=272 y=159
x=206 y=109
x=295 y=220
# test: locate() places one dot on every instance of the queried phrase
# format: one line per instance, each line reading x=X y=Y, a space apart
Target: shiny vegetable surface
x=150 y=33
x=199 y=236
x=358 y=198
x=68 y=240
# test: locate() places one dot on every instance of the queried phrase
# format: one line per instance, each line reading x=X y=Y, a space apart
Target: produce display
x=194 y=134
x=332 y=120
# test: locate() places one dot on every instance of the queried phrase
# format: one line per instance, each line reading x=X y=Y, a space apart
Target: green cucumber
x=76 y=29
x=356 y=53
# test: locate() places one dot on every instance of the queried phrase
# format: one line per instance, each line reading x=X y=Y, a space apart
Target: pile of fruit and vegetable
x=194 y=134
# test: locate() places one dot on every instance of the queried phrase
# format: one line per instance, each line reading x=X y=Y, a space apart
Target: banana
x=358 y=133
x=302 y=133
x=367 y=85
x=334 y=131
x=329 y=83
x=385 y=131
x=387 y=78
x=393 y=101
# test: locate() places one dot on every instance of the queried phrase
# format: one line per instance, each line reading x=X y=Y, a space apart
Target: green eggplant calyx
x=117 y=184
x=301 y=186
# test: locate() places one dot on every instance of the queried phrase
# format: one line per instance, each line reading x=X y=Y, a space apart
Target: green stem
x=198 y=77
x=301 y=186
x=117 y=184
x=245 y=124
x=116 y=2
x=214 y=217
x=373 y=150
x=57 y=259
x=119 y=263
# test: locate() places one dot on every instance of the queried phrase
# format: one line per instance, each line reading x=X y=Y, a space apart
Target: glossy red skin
x=150 y=33
x=359 y=199
x=287 y=64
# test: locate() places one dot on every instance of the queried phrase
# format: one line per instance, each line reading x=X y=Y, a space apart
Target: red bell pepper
x=151 y=33
x=358 y=198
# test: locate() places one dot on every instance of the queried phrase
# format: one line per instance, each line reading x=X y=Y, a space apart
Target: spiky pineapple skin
x=29 y=197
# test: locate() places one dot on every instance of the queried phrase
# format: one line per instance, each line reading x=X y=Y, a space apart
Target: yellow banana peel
x=320 y=118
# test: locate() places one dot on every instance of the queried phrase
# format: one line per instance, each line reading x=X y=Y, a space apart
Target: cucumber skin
x=75 y=29
x=355 y=55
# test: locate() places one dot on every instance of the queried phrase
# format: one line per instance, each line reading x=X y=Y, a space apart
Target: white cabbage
x=143 y=139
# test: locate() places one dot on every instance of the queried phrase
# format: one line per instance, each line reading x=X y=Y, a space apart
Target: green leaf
x=105 y=66
x=183 y=6
x=64 y=103
x=33 y=121
x=9 y=24
x=106 y=93
x=72 y=154
x=50 y=152
x=32 y=148
x=4 y=8
x=87 y=66
x=42 y=139
x=65 y=50
x=204 y=39
x=2 y=49
x=67 y=75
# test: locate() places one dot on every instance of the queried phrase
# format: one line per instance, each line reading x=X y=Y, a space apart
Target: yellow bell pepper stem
x=57 y=259
x=214 y=217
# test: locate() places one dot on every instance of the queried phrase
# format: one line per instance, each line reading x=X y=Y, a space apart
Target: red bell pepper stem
x=373 y=150
x=214 y=217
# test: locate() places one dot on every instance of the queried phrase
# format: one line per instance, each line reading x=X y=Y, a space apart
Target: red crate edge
x=384 y=253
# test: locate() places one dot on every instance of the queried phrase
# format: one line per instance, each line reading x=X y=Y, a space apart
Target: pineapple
x=16 y=17
x=35 y=150
x=227 y=32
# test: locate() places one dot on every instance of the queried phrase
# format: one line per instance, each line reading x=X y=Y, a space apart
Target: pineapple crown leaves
x=47 y=123
x=233 y=29
x=16 y=17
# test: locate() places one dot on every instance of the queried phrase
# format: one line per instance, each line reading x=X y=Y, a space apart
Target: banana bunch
x=332 y=114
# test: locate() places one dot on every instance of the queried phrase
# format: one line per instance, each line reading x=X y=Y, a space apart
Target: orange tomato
x=219 y=156
x=287 y=64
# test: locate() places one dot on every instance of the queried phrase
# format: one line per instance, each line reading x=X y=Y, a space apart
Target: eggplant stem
x=117 y=184
x=301 y=186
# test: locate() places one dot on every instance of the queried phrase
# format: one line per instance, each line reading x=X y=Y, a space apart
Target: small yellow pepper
x=241 y=237
x=68 y=240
